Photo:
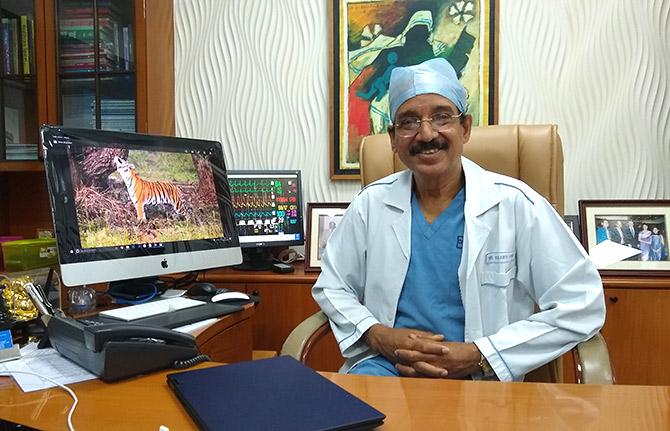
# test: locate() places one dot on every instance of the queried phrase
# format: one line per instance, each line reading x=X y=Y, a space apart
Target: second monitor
x=268 y=213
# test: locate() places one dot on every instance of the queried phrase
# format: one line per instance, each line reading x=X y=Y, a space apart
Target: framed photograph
x=322 y=220
x=626 y=237
x=371 y=37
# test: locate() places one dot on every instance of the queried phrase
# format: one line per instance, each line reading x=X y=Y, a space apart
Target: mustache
x=422 y=146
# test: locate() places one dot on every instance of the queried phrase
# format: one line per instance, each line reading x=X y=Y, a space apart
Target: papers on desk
x=45 y=362
x=173 y=293
x=607 y=253
x=195 y=326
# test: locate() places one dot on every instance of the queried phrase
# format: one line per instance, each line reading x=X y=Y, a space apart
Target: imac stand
x=255 y=259
x=136 y=290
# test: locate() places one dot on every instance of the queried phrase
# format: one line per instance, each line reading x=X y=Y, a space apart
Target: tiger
x=144 y=192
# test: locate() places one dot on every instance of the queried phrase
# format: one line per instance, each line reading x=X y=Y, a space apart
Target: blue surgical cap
x=432 y=76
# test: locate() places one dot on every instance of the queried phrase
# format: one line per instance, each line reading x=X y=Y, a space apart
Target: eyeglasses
x=408 y=127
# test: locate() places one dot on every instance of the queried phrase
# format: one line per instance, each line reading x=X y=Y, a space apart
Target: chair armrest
x=592 y=362
x=303 y=336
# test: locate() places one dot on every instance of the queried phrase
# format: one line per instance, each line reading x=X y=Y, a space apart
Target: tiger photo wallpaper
x=125 y=197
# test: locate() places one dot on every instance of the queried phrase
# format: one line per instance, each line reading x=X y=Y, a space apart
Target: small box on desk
x=4 y=239
x=29 y=253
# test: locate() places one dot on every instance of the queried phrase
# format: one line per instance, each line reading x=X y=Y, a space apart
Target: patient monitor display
x=268 y=213
x=128 y=205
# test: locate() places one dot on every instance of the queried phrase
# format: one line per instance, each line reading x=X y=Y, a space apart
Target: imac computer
x=128 y=206
x=268 y=213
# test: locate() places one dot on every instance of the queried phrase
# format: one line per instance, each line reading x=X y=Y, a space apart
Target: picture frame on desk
x=626 y=237
x=573 y=223
x=370 y=38
x=322 y=220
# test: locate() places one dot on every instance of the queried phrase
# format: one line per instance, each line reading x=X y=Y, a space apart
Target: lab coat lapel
x=480 y=196
x=400 y=199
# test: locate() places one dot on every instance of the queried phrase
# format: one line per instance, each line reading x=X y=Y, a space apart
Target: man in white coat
x=447 y=270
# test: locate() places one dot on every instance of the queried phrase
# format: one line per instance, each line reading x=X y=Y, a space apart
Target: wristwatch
x=487 y=370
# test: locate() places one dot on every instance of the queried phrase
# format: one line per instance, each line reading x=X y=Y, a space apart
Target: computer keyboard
x=152 y=308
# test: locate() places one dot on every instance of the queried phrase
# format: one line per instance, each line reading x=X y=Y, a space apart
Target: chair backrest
x=531 y=153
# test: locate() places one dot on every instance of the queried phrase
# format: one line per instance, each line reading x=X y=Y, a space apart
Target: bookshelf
x=96 y=86
x=126 y=84
x=18 y=89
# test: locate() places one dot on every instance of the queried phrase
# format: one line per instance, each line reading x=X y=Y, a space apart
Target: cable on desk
x=289 y=255
x=70 y=391
x=185 y=280
x=142 y=299
x=188 y=363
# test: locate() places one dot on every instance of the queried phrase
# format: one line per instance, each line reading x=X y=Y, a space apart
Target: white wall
x=254 y=75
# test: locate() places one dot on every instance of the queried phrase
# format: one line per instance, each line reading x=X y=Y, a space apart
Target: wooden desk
x=420 y=404
x=286 y=300
x=229 y=338
x=226 y=340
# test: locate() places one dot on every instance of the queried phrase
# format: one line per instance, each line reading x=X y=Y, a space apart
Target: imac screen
x=268 y=213
x=128 y=205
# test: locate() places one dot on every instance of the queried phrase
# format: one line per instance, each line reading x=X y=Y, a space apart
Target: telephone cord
x=188 y=363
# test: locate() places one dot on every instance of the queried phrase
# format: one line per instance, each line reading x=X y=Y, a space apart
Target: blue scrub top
x=431 y=296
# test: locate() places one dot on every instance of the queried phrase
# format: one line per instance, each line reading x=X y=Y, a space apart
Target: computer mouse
x=230 y=296
x=202 y=288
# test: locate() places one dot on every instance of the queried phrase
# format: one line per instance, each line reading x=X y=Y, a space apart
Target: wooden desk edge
x=224 y=322
x=230 y=275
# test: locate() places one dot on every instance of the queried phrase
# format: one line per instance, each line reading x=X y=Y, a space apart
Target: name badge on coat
x=500 y=257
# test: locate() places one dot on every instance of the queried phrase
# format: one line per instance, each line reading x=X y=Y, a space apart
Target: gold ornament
x=18 y=304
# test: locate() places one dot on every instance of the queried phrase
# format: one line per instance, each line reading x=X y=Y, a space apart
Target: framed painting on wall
x=371 y=37
x=626 y=237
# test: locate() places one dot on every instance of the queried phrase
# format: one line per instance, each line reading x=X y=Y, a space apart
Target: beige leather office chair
x=532 y=153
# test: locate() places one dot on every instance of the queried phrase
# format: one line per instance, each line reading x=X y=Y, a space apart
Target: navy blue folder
x=269 y=394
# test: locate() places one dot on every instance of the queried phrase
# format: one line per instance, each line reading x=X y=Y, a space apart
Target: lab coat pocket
x=498 y=279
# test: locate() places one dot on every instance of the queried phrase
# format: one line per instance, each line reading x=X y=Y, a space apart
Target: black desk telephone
x=116 y=351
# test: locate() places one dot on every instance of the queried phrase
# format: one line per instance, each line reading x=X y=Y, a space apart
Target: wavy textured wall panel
x=601 y=71
x=254 y=75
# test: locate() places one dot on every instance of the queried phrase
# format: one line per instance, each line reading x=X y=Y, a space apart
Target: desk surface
x=147 y=402
x=232 y=275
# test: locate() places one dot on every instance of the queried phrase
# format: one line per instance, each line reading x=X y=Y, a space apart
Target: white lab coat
x=517 y=252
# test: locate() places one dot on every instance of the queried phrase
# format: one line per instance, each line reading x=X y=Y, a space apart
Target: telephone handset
x=119 y=350
x=97 y=335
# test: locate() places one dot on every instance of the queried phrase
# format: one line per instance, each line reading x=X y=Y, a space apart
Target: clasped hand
x=417 y=353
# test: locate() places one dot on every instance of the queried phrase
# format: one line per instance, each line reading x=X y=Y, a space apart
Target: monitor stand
x=256 y=259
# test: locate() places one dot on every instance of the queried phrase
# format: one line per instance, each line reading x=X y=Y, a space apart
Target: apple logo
x=164 y=263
